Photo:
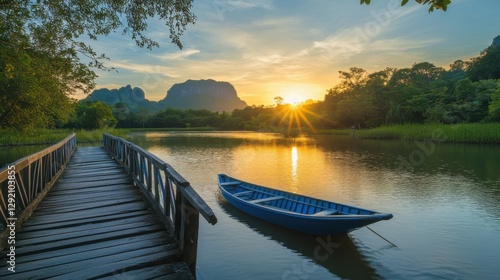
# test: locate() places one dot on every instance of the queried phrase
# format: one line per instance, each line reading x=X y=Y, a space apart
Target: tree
x=494 y=106
x=486 y=65
x=434 y=4
x=42 y=45
x=93 y=115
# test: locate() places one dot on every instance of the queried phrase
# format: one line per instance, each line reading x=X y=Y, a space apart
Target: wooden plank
x=84 y=233
x=94 y=219
x=102 y=268
x=27 y=234
x=94 y=247
x=243 y=193
x=53 y=245
x=96 y=172
x=100 y=265
x=47 y=219
x=57 y=259
x=230 y=183
x=86 y=186
x=266 y=199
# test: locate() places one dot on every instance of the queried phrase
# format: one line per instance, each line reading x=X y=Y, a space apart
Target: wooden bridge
x=112 y=212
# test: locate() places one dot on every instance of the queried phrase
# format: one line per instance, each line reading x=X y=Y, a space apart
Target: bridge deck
x=95 y=224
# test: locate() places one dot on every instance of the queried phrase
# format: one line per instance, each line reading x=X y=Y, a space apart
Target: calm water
x=445 y=200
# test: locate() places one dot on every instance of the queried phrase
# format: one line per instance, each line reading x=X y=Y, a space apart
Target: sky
x=295 y=48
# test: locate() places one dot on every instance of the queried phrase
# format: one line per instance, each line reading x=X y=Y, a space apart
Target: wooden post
x=191 y=220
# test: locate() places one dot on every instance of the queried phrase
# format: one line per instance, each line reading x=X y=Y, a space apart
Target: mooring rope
x=382 y=237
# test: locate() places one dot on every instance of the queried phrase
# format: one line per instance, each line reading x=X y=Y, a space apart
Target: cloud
x=178 y=55
x=145 y=69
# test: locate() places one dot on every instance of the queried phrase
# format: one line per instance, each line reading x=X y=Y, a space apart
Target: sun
x=293 y=101
x=294 y=116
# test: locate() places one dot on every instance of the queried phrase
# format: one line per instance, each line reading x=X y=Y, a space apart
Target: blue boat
x=294 y=211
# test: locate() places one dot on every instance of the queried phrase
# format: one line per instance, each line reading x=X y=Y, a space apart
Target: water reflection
x=295 y=159
x=338 y=254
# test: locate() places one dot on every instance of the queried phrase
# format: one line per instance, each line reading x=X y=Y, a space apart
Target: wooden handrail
x=25 y=182
x=172 y=196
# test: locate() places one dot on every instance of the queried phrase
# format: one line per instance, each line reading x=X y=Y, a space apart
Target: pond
x=445 y=200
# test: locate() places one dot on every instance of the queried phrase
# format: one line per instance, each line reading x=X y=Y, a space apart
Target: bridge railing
x=173 y=198
x=25 y=182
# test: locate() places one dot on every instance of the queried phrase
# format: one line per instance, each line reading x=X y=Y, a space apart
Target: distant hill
x=203 y=94
x=133 y=97
x=192 y=94
x=496 y=41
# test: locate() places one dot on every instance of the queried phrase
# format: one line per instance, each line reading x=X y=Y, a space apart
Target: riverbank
x=10 y=137
x=473 y=133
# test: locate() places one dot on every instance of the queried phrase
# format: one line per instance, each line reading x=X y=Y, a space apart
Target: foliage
x=92 y=115
x=42 y=43
x=486 y=65
x=458 y=133
x=494 y=106
x=13 y=137
x=434 y=4
x=420 y=94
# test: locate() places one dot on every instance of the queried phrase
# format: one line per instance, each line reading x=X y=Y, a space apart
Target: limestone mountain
x=192 y=94
x=203 y=94
x=134 y=98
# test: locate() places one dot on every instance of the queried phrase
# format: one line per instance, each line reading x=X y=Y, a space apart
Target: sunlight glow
x=292 y=100
x=295 y=119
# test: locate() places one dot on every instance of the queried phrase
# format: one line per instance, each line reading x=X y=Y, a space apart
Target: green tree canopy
x=42 y=43
x=93 y=115
x=486 y=65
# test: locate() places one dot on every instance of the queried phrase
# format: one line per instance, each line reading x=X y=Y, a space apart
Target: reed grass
x=473 y=133
x=11 y=137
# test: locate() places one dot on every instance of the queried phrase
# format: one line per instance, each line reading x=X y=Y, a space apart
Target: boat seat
x=326 y=212
x=229 y=183
x=243 y=193
x=266 y=199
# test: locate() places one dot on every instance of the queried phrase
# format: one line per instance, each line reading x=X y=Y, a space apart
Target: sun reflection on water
x=295 y=160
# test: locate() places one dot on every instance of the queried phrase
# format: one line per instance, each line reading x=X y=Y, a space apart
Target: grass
x=334 y=132
x=473 y=133
x=10 y=137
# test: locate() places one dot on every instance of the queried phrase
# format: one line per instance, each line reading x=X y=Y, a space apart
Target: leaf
x=404 y=2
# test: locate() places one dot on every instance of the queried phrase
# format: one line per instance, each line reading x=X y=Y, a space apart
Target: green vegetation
x=92 y=115
x=12 y=137
x=458 y=133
